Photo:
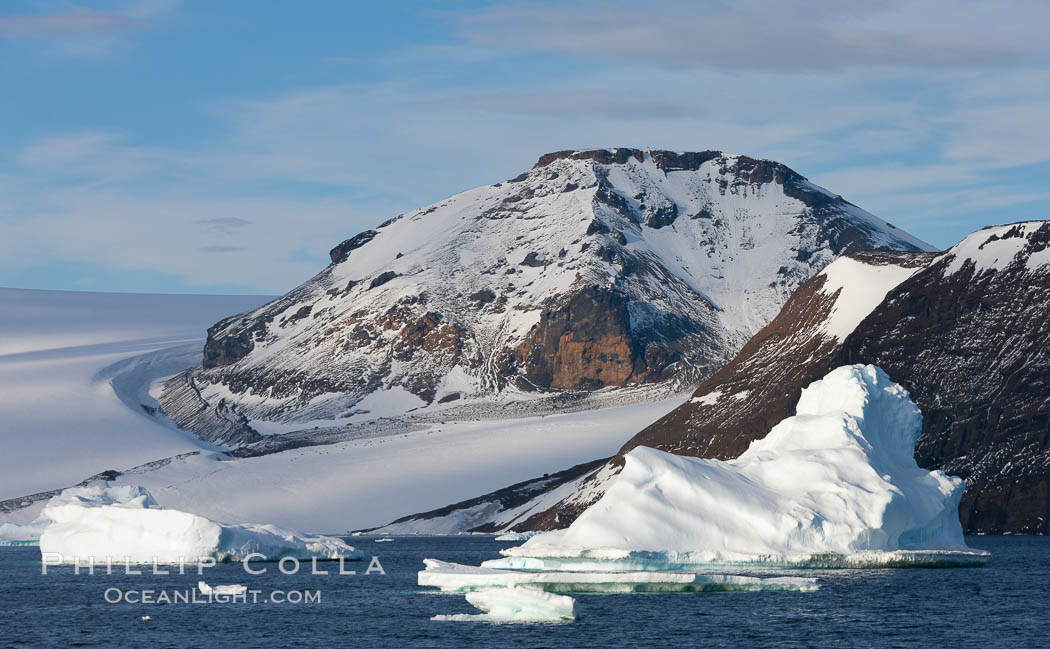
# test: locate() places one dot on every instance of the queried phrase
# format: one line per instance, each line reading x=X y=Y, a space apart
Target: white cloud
x=59 y=150
x=84 y=32
x=781 y=36
x=908 y=109
x=1004 y=135
x=64 y=23
x=163 y=232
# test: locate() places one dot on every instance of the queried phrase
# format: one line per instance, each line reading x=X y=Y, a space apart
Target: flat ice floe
x=836 y=485
x=125 y=524
x=224 y=589
x=516 y=604
x=457 y=578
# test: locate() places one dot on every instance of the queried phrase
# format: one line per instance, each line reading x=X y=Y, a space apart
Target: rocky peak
x=753 y=169
x=601 y=156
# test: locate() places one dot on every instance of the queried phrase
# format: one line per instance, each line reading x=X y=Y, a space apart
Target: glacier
x=125 y=524
x=65 y=417
x=835 y=485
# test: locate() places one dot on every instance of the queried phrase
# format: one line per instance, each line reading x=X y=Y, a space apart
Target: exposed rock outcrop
x=219 y=422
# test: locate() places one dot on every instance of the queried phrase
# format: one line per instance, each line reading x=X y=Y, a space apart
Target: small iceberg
x=125 y=524
x=13 y=534
x=17 y=543
x=226 y=589
x=836 y=485
x=516 y=604
x=384 y=540
x=457 y=578
x=516 y=536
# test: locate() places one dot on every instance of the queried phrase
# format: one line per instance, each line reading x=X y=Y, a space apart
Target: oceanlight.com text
x=114 y=595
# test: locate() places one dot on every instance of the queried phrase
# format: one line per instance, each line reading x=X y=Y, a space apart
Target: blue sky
x=190 y=146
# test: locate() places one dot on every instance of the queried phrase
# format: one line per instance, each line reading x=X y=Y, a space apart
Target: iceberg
x=22 y=532
x=125 y=524
x=516 y=536
x=516 y=604
x=225 y=589
x=28 y=534
x=457 y=578
x=835 y=485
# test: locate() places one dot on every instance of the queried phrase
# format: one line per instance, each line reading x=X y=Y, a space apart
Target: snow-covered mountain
x=966 y=331
x=595 y=268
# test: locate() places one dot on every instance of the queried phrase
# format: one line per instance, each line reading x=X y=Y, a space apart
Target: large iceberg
x=834 y=485
x=125 y=524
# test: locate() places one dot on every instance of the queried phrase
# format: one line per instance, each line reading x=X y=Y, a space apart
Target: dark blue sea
x=1003 y=604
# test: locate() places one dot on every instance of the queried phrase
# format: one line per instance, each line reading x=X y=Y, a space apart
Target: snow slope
x=838 y=479
x=60 y=421
x=857 y=288
x=366 y=482
x=997 y=247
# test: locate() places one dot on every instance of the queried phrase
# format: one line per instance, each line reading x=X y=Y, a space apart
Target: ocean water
x=1003 y=604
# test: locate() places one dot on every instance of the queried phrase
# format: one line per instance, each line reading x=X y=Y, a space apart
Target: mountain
x=967 y=332
x=594 y=269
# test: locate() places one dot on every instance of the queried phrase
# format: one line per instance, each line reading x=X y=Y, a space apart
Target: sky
x=224 y=147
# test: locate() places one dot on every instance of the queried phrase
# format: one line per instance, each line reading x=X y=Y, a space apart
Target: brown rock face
x=584 y=342
x=602 y=360
x=430 y=334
